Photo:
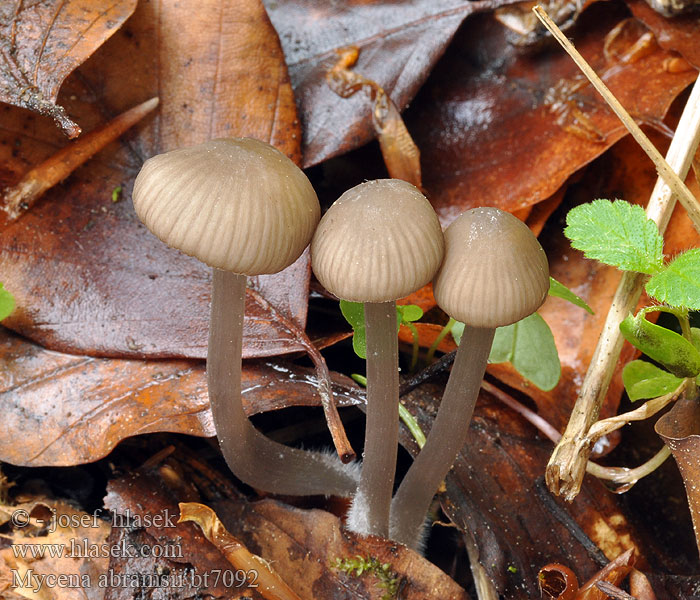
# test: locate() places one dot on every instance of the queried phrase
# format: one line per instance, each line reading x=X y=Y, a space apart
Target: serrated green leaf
x=559 y=290
x=643 y=380
x=616 y=233
x=679 y=283
x=7 y=303
x=529 y=346
x=409 y=312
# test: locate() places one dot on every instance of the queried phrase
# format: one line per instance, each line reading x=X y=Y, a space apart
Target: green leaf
x=616 y=233
x=679 y=283
x=7 y=303
x=354 y=313
x=643 y=380
x=662 y=345
x=559 y=290
x=409 y=312
x=529 y=346
x=457 y=331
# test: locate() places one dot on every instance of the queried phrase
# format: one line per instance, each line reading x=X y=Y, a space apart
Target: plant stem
x=670 y=176
x=567 y=464
x=441 y=336
x=445 y=440
x=370 y=511
x=253 y=458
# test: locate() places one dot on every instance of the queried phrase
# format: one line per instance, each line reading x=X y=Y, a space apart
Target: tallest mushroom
x=243 y=208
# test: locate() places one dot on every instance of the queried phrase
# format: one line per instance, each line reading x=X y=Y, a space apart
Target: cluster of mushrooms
x=243 y=208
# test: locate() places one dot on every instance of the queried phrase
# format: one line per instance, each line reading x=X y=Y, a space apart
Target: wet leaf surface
x=493 y=494
x=301 y=544
x=88 y=277
x=43 y=42
x=399 y=43
x=488 y=110
x=62 y=409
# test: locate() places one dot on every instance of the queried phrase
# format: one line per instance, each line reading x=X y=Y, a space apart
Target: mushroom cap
x=380 y=241
x=495 y=272
x=236 y=204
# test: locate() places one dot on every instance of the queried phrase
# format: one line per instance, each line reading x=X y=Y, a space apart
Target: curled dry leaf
x=680 y=430
x=43 y=42
x=75 y=409
x=557 y=582
x=88 y=278
x=258 y=572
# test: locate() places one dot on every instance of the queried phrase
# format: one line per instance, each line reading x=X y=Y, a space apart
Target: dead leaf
x=108 y=287
x=75 y=409
x=492 y=494
x=257 y=572
x=399 y=44
x=63 y=556
x=43 y=42
x=680 y=430
x=500 y=128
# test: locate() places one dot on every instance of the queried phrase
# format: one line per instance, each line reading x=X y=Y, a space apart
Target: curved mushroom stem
x=447 y=436
x=369 y=513
x=254 y=458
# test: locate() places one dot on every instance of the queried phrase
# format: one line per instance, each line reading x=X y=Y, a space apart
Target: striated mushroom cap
x=380 y=241
x=495 y=272
x=235 y=204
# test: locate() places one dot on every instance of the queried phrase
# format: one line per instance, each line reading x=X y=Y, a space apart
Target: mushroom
x=495 y=273
x=243 y=208
x=379 y=241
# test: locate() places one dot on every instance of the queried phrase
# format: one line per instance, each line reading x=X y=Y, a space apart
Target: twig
x=623 y=475
x=20 y=197
x=567 y=464
x=613 y=591
x=335 y=425
x=429 y=372
x=689 y=202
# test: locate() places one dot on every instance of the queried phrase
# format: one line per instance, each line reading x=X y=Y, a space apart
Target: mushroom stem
x=254 y=458
x=370 y=510
x=447 y=436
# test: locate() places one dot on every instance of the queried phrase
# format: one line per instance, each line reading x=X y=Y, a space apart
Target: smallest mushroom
x=495 y=273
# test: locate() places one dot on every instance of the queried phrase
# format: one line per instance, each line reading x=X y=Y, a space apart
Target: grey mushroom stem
x=447 y=437
x=255 y=459
x=370 y=511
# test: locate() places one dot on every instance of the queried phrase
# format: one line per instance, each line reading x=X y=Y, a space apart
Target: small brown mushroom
x=379 y=241
x=243 y=208
x=495 y=273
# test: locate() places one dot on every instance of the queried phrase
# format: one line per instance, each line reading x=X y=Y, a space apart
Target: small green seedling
x=620 y=234
x=7 y=303
x=388 y=580
x=528 y=344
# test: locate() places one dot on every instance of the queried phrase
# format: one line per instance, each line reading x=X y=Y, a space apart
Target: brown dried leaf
x=258 y=572
x=399 y=43
x=557 y=582
x=680 y=430
x=108 y=287
x=64 y=542
x=43 y=42
x=500 y=128
x=492 y=493
x=64 y=410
